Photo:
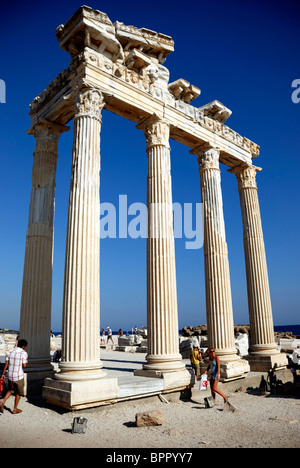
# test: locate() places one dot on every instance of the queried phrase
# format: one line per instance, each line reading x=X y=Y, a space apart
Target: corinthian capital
x=246 y=175
x=208 y=157
x=156 y=130
x=89 y=102
x=46 y=151
x=47 y=135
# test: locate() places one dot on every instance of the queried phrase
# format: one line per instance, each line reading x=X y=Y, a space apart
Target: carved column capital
x=89 y=102
x=208 y=157
x=156 y=130
x=246 y=175
x=46 y=151
x=47 y=135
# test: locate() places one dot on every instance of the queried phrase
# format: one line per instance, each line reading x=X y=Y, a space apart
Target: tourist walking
x=102 y=336
x=16 y=361
x=214 y=367
x=109 y=335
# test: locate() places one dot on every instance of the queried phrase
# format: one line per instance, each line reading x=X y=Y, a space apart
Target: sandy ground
x=261 y=421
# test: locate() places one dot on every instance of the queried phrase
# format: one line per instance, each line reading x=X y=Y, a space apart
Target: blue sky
x=242 y=53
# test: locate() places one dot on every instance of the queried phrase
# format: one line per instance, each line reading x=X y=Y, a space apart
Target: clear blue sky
x=242 y=53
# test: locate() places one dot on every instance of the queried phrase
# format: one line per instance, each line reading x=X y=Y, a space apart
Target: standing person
x=295 y=364
x=102 y=341
x=109 y=335
x=16 y=361
x=196 y=358
x=214 y=367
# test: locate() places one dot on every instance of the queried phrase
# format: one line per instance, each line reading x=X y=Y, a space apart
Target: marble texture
x=35 y=315
x=122 y=69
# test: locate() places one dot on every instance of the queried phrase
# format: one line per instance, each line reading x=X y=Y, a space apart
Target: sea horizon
x=295 y=329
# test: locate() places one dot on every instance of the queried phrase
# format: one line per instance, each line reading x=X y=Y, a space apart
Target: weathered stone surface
x=150 y=418
x=120 y=68
x=229 y=407
x=259 y=298
x=163 y=354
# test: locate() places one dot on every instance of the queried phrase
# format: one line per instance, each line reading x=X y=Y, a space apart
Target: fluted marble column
x=81 y=381
x=263 y=351
x=217 y=276
x=163 y=346
x=81 y=307
x=35 y=319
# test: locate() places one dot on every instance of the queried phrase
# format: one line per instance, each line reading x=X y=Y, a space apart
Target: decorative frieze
x=135 y=57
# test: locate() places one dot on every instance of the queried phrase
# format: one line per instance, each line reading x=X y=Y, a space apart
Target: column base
x=80 y=371
x=265 y=363
x=234 y=370
x=81 y=394
x=172 y=380
x=163 y=363
x=35 y=374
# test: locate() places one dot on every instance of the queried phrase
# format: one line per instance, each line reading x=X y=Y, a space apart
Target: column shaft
x=163 y=347
x=219 y=310
x=259 y=298
x=81 y=308
x=35 y=319
x=217 y=276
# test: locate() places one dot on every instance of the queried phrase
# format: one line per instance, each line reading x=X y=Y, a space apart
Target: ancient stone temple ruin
x=121 y=68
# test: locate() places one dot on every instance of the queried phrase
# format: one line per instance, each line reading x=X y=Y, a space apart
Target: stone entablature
x=128 y=60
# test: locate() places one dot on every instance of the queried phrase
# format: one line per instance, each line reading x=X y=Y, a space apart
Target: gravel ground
x=260 y=421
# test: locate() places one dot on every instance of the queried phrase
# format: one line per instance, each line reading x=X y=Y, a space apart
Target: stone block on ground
x=150 y=418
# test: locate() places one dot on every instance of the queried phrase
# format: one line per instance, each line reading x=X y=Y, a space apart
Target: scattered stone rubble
x=285 y=336
x=7 y=341
x=191 y=336
x=201 y=330
x=186 y=344
x=150 y=418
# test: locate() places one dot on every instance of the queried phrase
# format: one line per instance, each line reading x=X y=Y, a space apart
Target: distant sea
x=295 y=329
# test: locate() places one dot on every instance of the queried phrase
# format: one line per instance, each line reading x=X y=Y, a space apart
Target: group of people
x=214 y=368
x=17 y=360
x=109 y=336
